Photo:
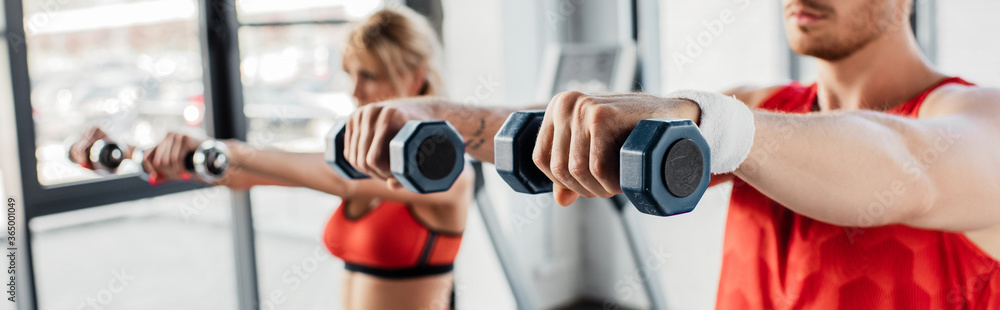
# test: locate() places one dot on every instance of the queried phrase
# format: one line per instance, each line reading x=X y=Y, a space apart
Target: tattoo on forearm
x=474 y=144
x=482 y=127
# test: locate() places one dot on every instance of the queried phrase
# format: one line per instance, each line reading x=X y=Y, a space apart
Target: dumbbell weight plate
x=106 y=156
x=664 y=166
x=335 y=152
x=427 y=156
x=209 y=160
x=513 y=146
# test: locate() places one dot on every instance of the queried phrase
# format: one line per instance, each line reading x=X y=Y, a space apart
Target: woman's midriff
x=362 y=291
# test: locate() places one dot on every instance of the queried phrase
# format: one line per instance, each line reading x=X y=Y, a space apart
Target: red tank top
x=390 y=241
x=774 y=258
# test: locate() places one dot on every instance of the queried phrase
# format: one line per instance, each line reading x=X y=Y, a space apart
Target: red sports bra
x=389 y=241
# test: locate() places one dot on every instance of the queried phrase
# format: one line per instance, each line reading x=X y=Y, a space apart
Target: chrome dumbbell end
x=209 y=161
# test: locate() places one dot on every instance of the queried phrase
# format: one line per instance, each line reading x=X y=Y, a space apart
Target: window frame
x=223 y=94
x=218 y=35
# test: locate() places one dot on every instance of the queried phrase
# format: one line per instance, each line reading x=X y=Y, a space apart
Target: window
x=718 y=45
x=967 y=44
x=132 y=68
x=293 y=84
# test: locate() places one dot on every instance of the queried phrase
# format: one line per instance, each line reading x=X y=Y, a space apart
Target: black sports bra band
x=412 y=272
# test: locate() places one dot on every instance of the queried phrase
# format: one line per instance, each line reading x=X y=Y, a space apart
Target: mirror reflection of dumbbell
x=664 y=163
x=425 y=156
x=208 y=161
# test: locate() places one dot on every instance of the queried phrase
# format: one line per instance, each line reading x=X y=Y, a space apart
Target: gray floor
x=176 y=253
x=172 y=265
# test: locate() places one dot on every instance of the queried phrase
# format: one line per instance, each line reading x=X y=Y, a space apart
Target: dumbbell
x=664 y=163
x=425 y=156
x=208 y=161
x=105 y=155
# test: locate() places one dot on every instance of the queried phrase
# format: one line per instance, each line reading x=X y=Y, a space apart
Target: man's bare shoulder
x=753 y=96
x=955 y=99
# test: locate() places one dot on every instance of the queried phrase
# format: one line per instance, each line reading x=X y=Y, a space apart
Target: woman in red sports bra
x=398 y=247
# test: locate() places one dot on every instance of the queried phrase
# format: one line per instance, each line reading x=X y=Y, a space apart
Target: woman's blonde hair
x=400 y=41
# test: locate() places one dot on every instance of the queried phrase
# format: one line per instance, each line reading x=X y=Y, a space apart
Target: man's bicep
x=961 y=99
x=960 y=157
x=968 y=105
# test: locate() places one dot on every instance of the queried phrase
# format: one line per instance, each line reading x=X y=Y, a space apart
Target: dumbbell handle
x=188 y=160
x=209 y=160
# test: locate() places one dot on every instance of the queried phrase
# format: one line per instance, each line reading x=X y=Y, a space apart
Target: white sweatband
x=727 y=125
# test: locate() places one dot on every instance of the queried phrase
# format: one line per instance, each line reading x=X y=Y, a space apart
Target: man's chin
x=825 y=54
x=815 y=47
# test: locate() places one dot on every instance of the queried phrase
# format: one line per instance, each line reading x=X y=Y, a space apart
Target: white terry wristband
x=727 y=125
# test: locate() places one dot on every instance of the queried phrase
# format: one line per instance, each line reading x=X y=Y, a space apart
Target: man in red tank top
x=876 y=187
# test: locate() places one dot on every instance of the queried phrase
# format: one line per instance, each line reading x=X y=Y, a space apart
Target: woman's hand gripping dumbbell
x=206 y=159
x=424 y=156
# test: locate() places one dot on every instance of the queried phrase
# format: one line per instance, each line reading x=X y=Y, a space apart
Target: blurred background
x=269 y=72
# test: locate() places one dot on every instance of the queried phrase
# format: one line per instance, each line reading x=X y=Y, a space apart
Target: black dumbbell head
x=106 y=155
x=427 y=156
x=665 y=166
x=513 y=146
x=335 y=152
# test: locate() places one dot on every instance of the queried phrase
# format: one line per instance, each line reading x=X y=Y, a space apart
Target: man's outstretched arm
x=373 y=126
x=864 y=168
x=938 y=172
